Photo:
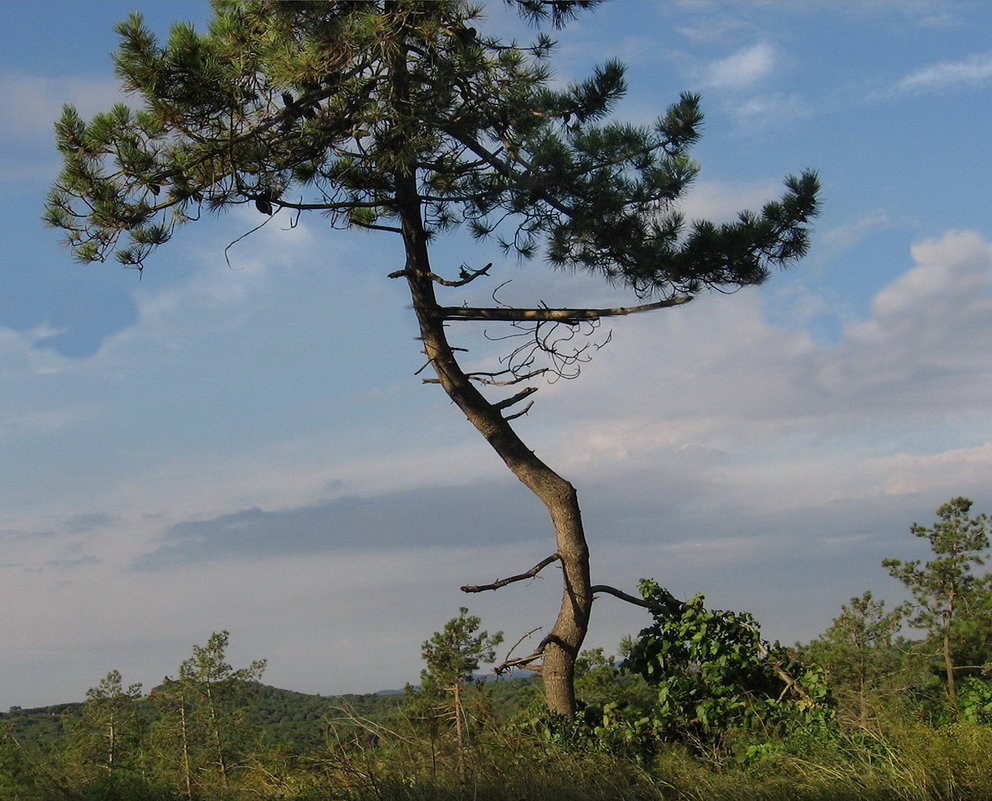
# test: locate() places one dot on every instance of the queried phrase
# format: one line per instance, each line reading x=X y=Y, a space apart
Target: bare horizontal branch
x=524 y=661
x=508 y=663
x=669 y=602
x=374 y=227
x=467 y=276
x=623 y=596
x=510 y=314
x=519 y=577
x=490 y=379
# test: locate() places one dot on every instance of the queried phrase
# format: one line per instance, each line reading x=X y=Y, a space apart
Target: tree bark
x=952 y=688
x=184 y=742
x=561 y=646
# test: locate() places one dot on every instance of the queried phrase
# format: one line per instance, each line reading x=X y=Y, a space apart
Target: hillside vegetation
x=697 y=706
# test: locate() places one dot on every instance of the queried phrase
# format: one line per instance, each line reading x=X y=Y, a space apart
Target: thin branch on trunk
x=508 y=663
x=510 y=314
x=466 y=275
x=520 y=577
x=623 y=596
x=521 y=413
x=670 y=604
x=508 y=402
x=489 y=379
x=524 y=661
x=372 y=227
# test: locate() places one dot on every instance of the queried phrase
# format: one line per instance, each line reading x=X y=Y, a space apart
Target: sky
x=245 y=444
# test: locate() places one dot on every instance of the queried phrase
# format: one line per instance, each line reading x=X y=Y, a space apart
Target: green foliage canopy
x=714 y=674
x=319 y=105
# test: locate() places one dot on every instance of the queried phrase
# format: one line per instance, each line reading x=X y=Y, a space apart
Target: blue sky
x=246 y=446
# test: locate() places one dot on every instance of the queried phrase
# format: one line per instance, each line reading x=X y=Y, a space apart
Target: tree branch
x=467 y=275
x=670 y=603
x=490 y=379
x=524 y=661
x=791 y=683
x=509 y=314
x=520 y=577
x=623 y=596
x=508 y=663
x=521 y=413
x=504 y=404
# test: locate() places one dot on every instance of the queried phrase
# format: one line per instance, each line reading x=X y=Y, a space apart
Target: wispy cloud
x=846 y=236
x=88 y=521
x=971 y=72
x=42 y=422
x=742 y=69
x=393 y=521
x=948 y=470
x=711 y=28
x=30 y=104
x=721 y=201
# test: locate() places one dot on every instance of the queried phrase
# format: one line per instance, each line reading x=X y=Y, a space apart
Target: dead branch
x=427 y=364
x=504 y=404
x=522 y=638
x=508 y=663
x=524 y=661
x=520 y=577
x=510 y=314
x=466 y=275
x=521 y=413
x=490 y=379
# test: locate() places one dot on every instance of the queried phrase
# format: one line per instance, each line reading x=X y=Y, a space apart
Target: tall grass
x=907 y=762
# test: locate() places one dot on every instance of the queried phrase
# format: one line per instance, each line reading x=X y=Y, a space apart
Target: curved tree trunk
x=561 y=646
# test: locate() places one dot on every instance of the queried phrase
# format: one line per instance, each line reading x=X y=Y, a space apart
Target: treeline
x=889 y=703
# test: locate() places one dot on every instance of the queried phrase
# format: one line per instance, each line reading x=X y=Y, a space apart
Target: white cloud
x=970 y=72
x=848 y=235
x=948 y=473
x=711 y=28
x=720 y=201
x=776 y=410
x=30 y=104
x=768 y=111
x=927 y=342
x=742 y=69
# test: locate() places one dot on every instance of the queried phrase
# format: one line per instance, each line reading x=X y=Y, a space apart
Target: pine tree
x=861 y=653
x=950 y=596
x=451 y=657
x=403 y=118
x=201 y=729
x=110 y=726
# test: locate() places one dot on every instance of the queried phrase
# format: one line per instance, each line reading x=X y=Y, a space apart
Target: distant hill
x=285 y=717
